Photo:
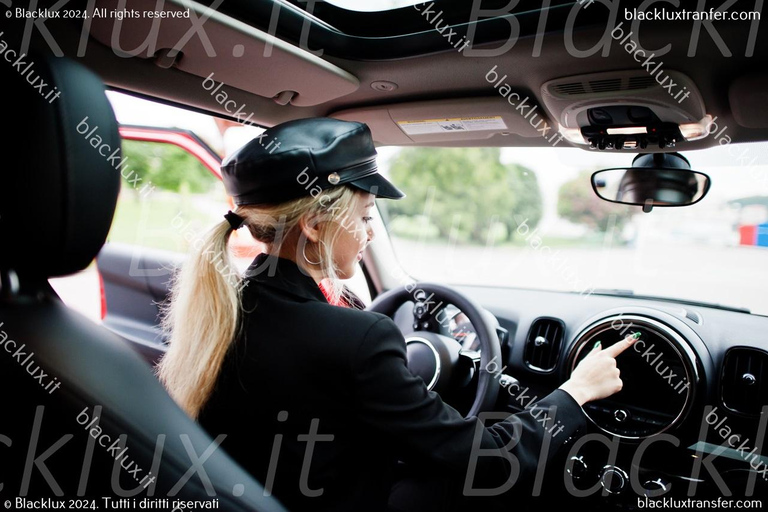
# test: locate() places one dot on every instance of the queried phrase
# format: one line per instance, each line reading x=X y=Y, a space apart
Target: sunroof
x=393 y=29
x=373 y=5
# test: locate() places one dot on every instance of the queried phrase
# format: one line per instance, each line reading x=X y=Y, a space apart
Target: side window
x=167 y=196
x=171 y=195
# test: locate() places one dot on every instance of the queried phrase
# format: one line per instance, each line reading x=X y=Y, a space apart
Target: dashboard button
x=577 y=467
x=620 y=415
x=655 y=487
x=613 y=479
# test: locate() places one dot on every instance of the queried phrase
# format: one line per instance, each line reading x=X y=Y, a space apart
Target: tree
x=578 y=203
x=750 y=201
x=167 y=167
x=465 y=192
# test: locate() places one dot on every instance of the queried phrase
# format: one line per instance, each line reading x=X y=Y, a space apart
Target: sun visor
x=446 y=121
x=197 y=40
x=748 y=96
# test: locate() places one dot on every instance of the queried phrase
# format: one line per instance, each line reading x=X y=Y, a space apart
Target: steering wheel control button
x=613 y=479
x=620 y=415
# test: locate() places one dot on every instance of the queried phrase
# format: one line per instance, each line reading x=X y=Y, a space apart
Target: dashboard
x=693 y=406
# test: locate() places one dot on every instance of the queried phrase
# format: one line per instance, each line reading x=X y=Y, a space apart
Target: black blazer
x=303 y=370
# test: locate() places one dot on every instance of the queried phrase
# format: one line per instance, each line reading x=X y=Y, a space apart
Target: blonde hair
x=203 y=316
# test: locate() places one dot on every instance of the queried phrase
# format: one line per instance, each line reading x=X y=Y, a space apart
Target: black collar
x=284 y=275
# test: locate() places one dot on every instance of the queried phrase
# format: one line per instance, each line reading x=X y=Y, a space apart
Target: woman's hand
x=597 y=376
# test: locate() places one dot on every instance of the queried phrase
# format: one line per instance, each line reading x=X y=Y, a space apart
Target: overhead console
x=172 y=37
x=627 y=109
x=451 y=120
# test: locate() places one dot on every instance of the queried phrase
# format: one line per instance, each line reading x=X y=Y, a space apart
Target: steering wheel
x=439 y=359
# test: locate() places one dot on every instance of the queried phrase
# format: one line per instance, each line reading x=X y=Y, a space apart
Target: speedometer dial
x=464 y=332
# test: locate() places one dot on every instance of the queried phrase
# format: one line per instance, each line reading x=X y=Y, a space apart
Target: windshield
x=528 y=217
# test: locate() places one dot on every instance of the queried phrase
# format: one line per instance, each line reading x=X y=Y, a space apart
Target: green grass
x=150 y=222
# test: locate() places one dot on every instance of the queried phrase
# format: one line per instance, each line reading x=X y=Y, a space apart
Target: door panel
x=136 y=283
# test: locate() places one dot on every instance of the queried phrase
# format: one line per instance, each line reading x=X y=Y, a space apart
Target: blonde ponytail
x=202 y=319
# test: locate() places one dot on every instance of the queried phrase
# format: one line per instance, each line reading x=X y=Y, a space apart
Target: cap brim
x=377 y=185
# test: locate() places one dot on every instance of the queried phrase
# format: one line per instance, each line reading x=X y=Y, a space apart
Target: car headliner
x=449 y=74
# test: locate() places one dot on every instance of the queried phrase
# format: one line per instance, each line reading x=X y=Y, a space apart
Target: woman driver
x=316 y=400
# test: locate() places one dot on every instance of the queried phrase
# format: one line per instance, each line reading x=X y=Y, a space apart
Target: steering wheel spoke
x=468 y=367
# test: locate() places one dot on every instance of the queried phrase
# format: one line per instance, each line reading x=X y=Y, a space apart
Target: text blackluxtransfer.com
x=690 y=503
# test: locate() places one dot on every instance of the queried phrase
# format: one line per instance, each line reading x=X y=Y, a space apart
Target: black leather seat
x=58 y=370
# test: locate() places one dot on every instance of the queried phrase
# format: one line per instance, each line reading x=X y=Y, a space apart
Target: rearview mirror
x=650 y=187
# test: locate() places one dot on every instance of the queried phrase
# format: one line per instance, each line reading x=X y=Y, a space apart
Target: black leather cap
x=303 y=157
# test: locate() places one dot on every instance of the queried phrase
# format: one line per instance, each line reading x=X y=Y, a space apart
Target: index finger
x=619 y=347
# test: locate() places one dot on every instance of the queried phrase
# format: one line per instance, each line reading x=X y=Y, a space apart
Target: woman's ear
x=310 y=227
